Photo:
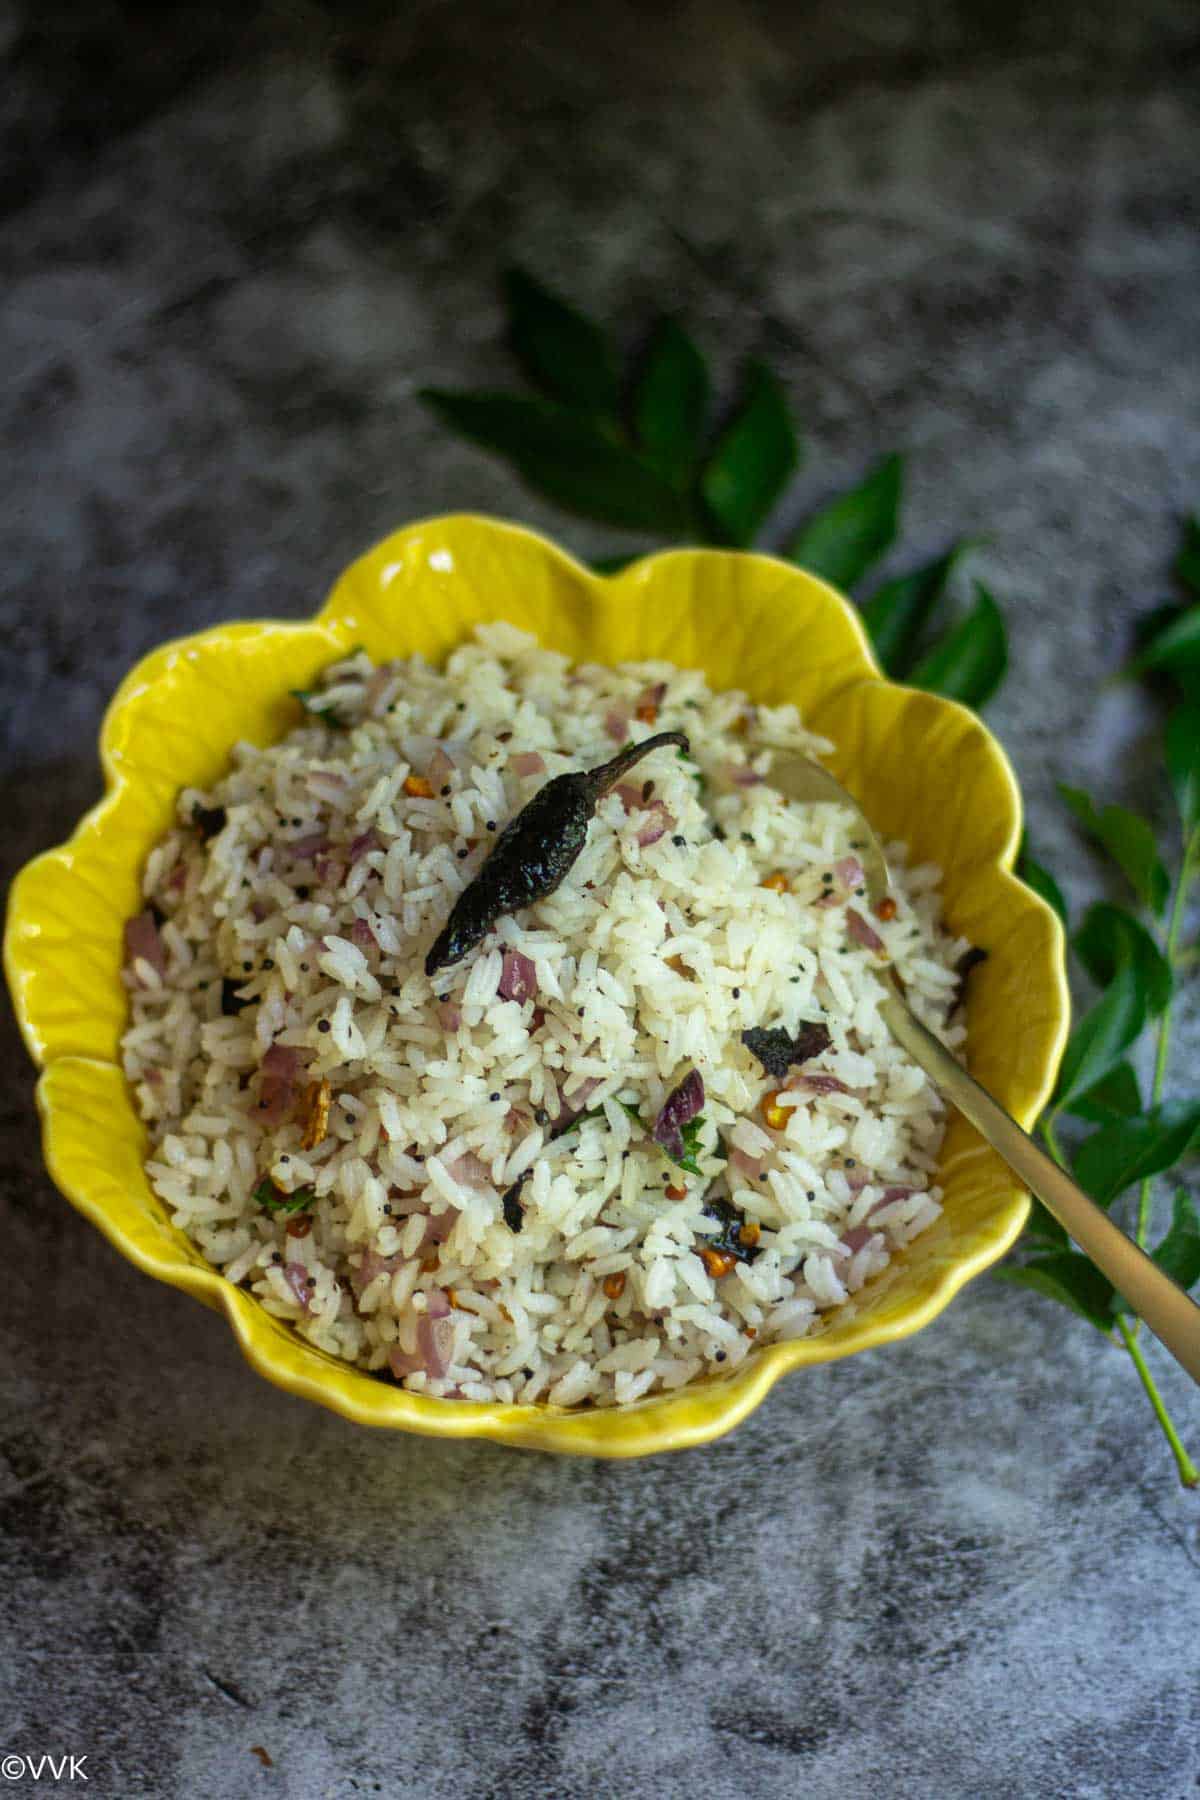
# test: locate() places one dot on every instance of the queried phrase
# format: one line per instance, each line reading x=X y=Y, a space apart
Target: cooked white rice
x=651 y=959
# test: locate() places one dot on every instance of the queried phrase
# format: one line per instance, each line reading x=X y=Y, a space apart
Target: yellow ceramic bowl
x=926 y=769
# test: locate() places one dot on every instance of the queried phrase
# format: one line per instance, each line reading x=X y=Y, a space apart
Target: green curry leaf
x=1116 y=1097
x=1179 y=1251
x=570 y=459
x=899 y=612
x=1182 y=752
x=970 y=661
x=1129 y=841
x=1069 y=1278
x=1125 y=1152
x=1101 y=1038
x=671 y=402
x=1186 y=567
x=1109 y=936
x=753 y=460
x=1040 y=880
x=841 y=542
x=563 y=352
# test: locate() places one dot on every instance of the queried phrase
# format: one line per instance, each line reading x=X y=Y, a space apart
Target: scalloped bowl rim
x=710 y=1407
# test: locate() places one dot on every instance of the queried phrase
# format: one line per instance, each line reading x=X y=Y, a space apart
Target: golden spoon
x=1172 y=1316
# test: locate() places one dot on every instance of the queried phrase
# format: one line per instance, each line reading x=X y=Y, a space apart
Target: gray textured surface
x=234 y=242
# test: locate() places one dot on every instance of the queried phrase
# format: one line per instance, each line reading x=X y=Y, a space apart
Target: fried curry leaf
x=692 y=1146
x=310 y=699
x=273 y=1199
x=844 y=540
x=777 y=1050
x=231 y=1001
x=729 y=1238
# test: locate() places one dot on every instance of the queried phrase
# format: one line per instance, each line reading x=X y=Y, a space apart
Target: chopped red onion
x=824 y=901
x=616 y=724
x=283 y=1061
x=629 y=795
x=658 y=822
x=305 y=848
x=296 y=1276
x=402 y=1364
x=178 y=878
x=377 y=686
x=275 y=1099
x=680 y=1108
x=278 y=1072
x=741 y=775
x=528 y=762
x=435 y=1340
x=142 y=939
x=818 y=1084
x=438 y=1226
x=437 y=1304
x=858 y=1179
x=861 y=932
x=439 y=770
x=362 y=935
x=518 y=977
x=449 y=1014
x=892 y=1194
x=371 y=1268
x=470 y=1171
x=653 y=695
x=751 y=1166
x=365 y=842
x=573 y=1106
x=854 y=1239
x=849 y=871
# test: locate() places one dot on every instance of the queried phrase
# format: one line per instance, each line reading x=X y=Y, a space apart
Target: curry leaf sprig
x=1138 y=960
x=646 y=453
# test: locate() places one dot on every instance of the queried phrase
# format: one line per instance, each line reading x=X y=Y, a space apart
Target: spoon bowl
x=1172 y=1315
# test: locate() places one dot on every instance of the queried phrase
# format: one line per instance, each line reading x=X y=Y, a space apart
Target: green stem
x=1189 y=1474
x=1052 y=1144
x=1174 y=926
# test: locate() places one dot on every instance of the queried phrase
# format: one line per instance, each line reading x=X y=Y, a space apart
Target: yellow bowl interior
x=925 y=769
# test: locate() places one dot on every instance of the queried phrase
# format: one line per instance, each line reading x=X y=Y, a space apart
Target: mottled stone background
x=235 y=239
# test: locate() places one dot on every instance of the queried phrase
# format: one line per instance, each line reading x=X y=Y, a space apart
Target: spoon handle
x=1171 y=1315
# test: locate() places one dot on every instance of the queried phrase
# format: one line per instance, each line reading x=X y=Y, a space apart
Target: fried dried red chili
x=535 y=852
